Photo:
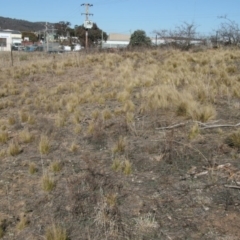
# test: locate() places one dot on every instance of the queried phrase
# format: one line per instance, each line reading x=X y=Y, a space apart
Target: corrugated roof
x=118 y=37
x=10 y=31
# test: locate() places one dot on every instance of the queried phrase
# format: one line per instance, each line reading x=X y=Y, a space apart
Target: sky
x=127 y=16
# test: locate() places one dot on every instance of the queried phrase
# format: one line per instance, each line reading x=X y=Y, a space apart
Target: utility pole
x=87 y=5
x=46 y=35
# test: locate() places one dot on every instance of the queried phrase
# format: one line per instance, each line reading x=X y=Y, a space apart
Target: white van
x=67 y=48
x=77 y=48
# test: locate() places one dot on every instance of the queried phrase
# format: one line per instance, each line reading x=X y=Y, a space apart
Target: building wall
x=7 y=38
x=5 y=41
x=115 y=44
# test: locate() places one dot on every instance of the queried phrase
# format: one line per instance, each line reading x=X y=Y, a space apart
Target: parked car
x=31 y=48
x=17 y=47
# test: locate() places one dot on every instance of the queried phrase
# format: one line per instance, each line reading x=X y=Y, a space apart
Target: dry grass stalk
x=11 y=120
x=48 y=183
x=44 y=145
x=120 y=145
x=3 y=136
x=73 y=147
x=56 y=166
x=56 y=232
x=233 y=139
x=26 y=136
x=146 y=223
x=32 y=168
x=13 y=149
x=22 y=223
x=23 y=116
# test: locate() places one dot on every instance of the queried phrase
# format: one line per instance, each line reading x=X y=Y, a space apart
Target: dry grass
x=32 y=168
x=124 y=128
x=56 y=232
x=3 y=136
x=23 y=222
x=56 y=166
x=120 y=145
x=146 y=223
x=233 y=139
x=48 y=183
x=13 y=148
x=25 y=136
x=44 y=145
x=73 y=147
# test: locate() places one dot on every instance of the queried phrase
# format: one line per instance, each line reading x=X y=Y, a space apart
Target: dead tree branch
x=202 y=125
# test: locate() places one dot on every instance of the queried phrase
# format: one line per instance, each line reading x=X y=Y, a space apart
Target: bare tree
x=182 y=35
x=229 y=31
x=186 y=33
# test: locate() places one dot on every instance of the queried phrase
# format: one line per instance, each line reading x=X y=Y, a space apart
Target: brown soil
x=178 y=188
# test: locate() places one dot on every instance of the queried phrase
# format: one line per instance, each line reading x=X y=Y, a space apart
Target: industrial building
x=116 y=40
x=9 y=37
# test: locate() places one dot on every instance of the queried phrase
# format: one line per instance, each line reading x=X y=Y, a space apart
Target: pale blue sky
x=126 y=16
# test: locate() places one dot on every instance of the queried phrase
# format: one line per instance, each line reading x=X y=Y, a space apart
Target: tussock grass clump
x=120 y=145
x=123 y=96
x=3 y=153
x=13 y=149
x=32 y=168
x=11 y=120
x=77 y=129
x=116 y=165
x=56 y=166
x=146 y=223
x=61 y=119
x=56 y=233
x=233 y=139
x=73 y=147
x=129 y=106
x=31 y=119
x=182 y=109
x=1 y=232
x=124 y=166
x=25 y=136
x=48 y=183
x=203 y=113
x=194 y=131
x=111 y=199
x=127 y=167
x=23 y=116
x=129 y=117
x=3 y=136
x=77 y=117
x=23 y=222
x=95 y=114
x=44 y=145
x=106 y=114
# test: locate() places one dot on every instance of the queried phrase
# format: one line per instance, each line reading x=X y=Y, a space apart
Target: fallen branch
x=173 y=126
x=220 y=125
x=232 y=186
x=201 y=124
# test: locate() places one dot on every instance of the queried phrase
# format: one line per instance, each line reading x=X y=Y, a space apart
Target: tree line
x=227 y=33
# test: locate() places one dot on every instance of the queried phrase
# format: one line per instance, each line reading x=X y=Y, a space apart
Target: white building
x=116 y=40
x=8 y=37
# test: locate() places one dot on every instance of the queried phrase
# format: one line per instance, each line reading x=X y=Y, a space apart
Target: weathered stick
x=232 y=186
x=173 y=126
x=202 y=125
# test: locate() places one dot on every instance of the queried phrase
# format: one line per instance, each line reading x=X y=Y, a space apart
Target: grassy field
x=132 y=145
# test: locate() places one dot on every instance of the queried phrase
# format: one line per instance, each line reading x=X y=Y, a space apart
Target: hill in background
x=21 y=25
